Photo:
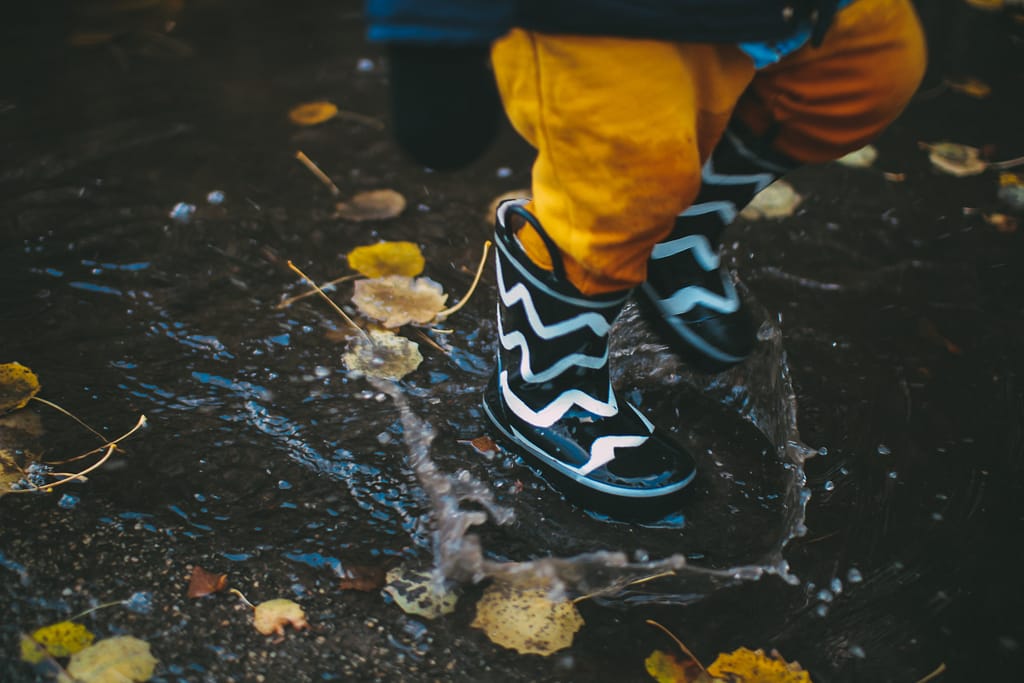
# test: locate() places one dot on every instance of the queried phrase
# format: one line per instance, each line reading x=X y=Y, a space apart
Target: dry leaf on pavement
x=18 y=385
x=384 y=354
x=526 y=619
x=373 y=205
x=203 y=582
x=420 y=593
x=273 y=615
x=312 y=113
x=121 y=659
x=58 y=640
x=397 y=300
x=387 y=258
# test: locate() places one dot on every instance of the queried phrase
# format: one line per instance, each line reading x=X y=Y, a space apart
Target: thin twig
x=431 y=342
x=679 y=643
x=139 y=425
x=73 y=417
x=110 y=448
x=472 y=288
x=315 y=170
x=239 y=594
x=298 y=297
x=328 y=300
x=941 y=669
x=635 y=582
x=1006 y=164
x=94 y=609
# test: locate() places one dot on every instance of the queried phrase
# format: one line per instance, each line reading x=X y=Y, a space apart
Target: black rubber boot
x=551 y=398
x=688 y=296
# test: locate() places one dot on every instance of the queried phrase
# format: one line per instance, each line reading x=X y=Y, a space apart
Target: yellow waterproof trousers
x=623 y=126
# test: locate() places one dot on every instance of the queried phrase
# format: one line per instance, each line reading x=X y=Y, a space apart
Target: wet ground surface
x=900 y=317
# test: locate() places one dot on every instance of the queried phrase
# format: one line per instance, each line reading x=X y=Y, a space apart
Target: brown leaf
x=484 y=445
x=204 y=582
x=363 y=578
x=373 y=205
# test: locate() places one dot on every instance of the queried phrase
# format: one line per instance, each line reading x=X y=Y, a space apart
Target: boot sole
x=640 y=509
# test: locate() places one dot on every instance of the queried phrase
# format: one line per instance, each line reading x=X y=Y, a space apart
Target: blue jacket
x=462 y=22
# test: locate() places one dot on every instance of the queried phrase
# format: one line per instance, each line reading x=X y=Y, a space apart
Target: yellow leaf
x=121 y=659
x=526 y=619
x=273 y=615
x=387 y=258
x=312 y=113
x=385 y=355
x=971 y=87
x=665 y=668
x=18 y=385
x=373 y=205
x=59 y=640
x=954 y=158
x=860 y=158
x=753 y=666
x=420 y=593
x=778 y=200
x=397 y=300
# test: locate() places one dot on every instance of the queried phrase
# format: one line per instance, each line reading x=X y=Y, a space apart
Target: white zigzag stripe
x=519 y=293
x=760 y=180
x=512 y=340
x=698 y=244
x=602 y=451
x=554 y=411
x=688 y=297
x=724 y=208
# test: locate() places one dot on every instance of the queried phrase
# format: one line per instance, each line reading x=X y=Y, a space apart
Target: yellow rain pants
x=623 y=126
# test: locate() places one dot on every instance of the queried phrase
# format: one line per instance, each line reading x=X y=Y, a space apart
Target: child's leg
x=621 y=128
x=814 y=106
x=822 y=102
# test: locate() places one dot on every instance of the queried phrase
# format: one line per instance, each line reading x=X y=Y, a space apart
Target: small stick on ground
x=472 y=288
x=431 y=342
x=298 y=297
x=239 y=594
x=328 y=299
x=941 y=669
x=679 y=643
x=73 y=417
x=315 y=170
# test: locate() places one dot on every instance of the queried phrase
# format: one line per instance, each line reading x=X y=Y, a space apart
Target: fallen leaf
x=397 y=300
x=894 y=177
x=18 y=385
x=121 y=659
x=273 y=615
x=420 y=593
x=312 y=113
x=860 y=158
x=1001 y=222
x=387 y=258
x=362 y=578
x=484 y=445
x=526 y=619
x=778 y=200
x=971 y=87
x=753 y=666
x=58 y=640
x=1011 y=190
x=954 y=158
x=385 y=355
x=373 y=205
x=665 y=668
x=987 y=5
x=203 y=582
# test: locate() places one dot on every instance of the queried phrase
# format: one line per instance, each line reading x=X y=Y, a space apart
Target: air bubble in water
x=883 y=449
x=829 y=486
x=825 y=595
x=836 y=585
x=858 y=652
x=854 y=575
x=821 y=610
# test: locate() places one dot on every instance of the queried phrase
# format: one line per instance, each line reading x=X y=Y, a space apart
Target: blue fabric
x=482 y=21
x=767 y=53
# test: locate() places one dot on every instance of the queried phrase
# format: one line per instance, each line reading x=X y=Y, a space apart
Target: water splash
x=760 y=392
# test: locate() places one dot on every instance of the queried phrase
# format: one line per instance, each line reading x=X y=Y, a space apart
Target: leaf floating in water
x=373 y=205
x=1011 y=190
x=753 y=666
x=385 y=355
x=778 y=200
x=526 y=619
x=387 y=258
x=1001 y=222
x=665 y=668
x=987 y=5
x=420 y=593
x=273 y=615
x=954 y=158
x=860 y=158
x=203 y=582
x=58 y=640
x=312 y=113
x=18 y=385
x=398 y=300
x=121 y=659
